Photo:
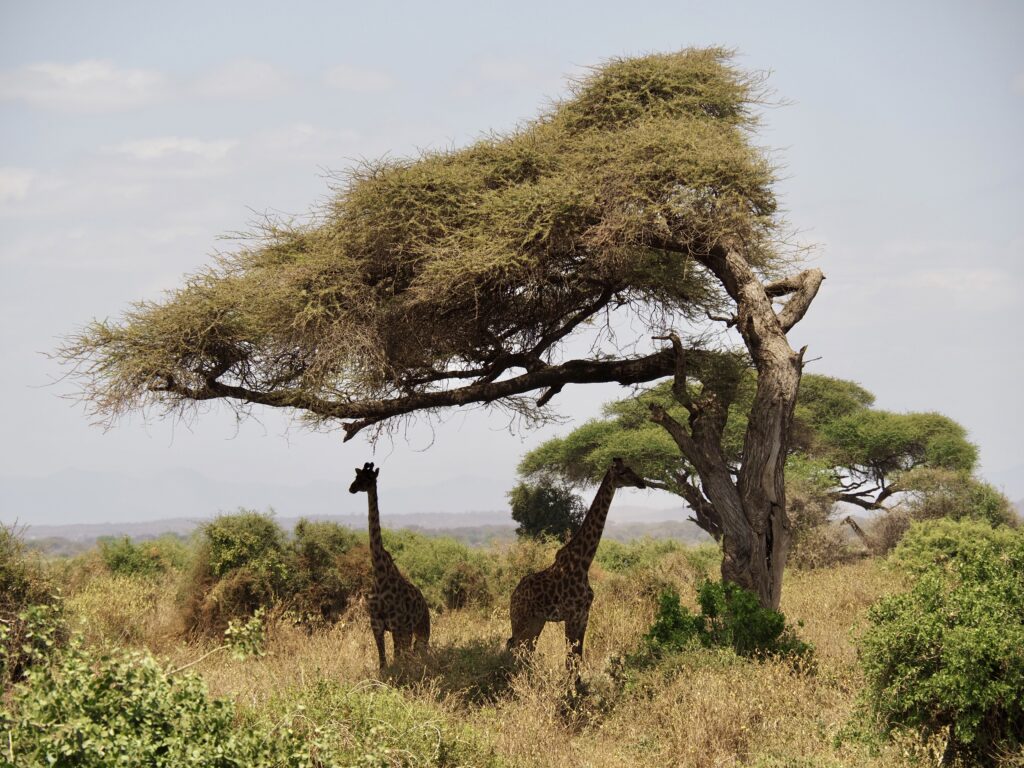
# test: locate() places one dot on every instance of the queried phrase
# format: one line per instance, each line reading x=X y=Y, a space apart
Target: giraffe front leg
x=377 y=627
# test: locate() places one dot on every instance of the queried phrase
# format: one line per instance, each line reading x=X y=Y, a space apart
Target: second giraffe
x=562 y=591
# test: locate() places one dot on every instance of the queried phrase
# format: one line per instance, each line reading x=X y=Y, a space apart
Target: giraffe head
x=366 y=478
x=623 y=475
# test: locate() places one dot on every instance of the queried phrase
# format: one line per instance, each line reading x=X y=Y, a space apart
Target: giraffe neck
x=378 y=554
x=583 y=544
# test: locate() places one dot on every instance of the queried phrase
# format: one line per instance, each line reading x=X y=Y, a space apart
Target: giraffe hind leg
x=421 y=634
x=525 y=634
x=403 y=644
x=377 y=627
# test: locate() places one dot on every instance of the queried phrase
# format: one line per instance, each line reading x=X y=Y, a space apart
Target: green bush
x=242 y=565
x=947 y=657
x=465 y=584
x=619 y=557
x=730 y=617
x=124 y=557
x=378 y=727
x=949 y=544
x=122 y=709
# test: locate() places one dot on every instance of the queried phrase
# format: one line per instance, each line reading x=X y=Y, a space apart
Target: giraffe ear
x=376 y=472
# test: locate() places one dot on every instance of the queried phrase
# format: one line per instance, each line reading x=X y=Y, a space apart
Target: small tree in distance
x=547 y=507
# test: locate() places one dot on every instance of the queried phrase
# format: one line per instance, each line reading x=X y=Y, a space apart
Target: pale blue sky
x=133 y=135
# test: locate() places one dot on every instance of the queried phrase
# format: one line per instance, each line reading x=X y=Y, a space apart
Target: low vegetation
x=902 y=661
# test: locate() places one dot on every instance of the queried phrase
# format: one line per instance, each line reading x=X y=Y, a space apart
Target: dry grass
x=701 y=709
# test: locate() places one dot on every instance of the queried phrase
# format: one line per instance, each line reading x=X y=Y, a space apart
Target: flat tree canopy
x=424 y=281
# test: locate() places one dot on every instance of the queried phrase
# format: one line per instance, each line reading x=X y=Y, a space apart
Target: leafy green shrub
x=378 y=727
x=946 y=657
x=246 y=539
x=949 y=544
x=242 y=565
x=730 y=617
x=124 y=557
x=89 y=710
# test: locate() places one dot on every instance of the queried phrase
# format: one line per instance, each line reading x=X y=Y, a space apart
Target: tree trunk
x=751 y=508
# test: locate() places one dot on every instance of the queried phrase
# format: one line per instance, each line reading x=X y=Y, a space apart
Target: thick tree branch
x=366 y=412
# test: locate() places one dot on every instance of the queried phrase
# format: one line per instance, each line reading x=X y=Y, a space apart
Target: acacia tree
x=840 y=446
x=460 y=277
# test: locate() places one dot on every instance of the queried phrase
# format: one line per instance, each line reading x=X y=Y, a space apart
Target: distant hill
x=83 y=497
x=472 y=529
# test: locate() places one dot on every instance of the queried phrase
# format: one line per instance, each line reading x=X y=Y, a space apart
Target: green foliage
x=948 y=544
x=945 y=657
x=954 y=494
x=91 y=710
x=250 y=540
x=375 y=726
x=465 y=584
x=837 y=438
x=623 y=558
x=149 y=558
x=730 y=617
x=247 y=638
x=245 y=563
x=546 y=508
x=889 y=442
x=242 y=565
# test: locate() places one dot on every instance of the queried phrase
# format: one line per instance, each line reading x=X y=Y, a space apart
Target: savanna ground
x=468 y=703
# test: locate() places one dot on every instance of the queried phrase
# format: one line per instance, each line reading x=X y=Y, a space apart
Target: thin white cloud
x=15 y=183
x=160 y=147
x=244 y=79
x=977 y=289
x=346 y=78
x=510 y=73
x=84 y=86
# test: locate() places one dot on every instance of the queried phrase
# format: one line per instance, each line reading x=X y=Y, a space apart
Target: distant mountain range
x=176 y=500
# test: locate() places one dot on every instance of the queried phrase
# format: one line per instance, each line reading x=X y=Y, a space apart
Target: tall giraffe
x=562 y=591
x=395 y=605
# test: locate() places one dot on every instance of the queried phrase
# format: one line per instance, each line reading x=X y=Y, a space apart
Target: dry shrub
x=885 y=532
x=115 y=609
x=822 y=546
